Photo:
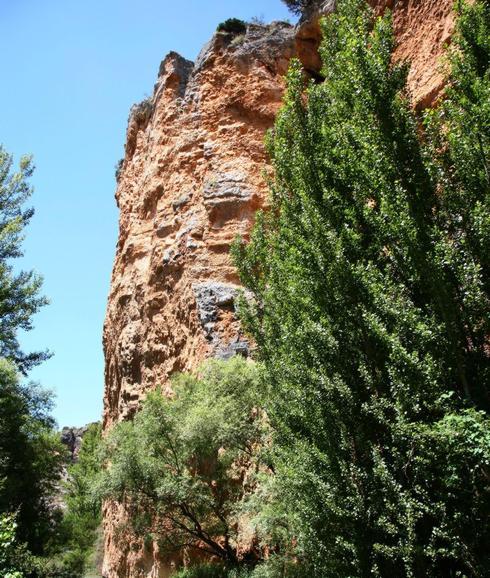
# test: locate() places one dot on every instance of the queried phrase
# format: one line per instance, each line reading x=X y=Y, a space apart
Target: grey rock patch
x=204 y=55
x=170 y=255
x=210 y=297
x=208 y=149
x=239 y=347
x=191 y=244
x=174 y=68
x=266 y=43
x=225 y=188
x=191 y=224
x=181 y=201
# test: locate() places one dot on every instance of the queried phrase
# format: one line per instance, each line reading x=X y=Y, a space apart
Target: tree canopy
x=20 y=295
x=186 y=463
x=31 y=458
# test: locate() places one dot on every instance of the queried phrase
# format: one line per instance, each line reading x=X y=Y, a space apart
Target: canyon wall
x=191 y=180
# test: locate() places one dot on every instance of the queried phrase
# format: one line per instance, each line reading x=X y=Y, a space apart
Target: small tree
x=186 y=463
x=232 y=26
x=299 y=7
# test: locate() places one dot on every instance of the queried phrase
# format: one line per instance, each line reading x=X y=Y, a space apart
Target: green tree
x=186 y=463
x=31 y=459
x=72 y=549
x=30 y=452
x=83 y=515
x=370 y=309
x=299 y=7
x=19 y=292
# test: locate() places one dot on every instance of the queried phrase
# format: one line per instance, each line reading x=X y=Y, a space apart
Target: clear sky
x=71 y=69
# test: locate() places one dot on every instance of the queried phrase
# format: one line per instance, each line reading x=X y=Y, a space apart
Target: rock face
x=190 y=181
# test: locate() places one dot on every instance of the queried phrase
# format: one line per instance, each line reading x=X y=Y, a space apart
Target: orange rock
x=191 y=180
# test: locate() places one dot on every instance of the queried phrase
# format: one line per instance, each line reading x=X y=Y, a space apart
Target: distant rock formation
x=72 y=438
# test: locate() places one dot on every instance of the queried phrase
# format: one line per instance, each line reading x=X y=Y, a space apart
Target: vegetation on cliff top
x=299 y=7
x=233 y=26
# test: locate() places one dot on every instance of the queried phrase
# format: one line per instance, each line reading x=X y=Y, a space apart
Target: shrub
x=182 y=460
x=299 y=7
x=232 y=26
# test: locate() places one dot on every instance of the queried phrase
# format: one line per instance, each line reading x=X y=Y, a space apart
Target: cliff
x=190 y=181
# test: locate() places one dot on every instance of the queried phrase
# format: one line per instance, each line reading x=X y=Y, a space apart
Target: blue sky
x=71 y=70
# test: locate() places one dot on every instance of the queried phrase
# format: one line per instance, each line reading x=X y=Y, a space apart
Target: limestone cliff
x=190 y=181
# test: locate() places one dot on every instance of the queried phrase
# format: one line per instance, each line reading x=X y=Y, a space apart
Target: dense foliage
x=370 y=310
x=83 y=511
x=13 y=557
x=186 y=463
x=31 y=457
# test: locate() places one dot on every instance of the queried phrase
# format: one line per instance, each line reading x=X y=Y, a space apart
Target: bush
x=232 y=26
x=184 y=460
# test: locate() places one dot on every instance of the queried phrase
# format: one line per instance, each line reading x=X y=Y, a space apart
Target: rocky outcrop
x=72 y=438
x=190 y=181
